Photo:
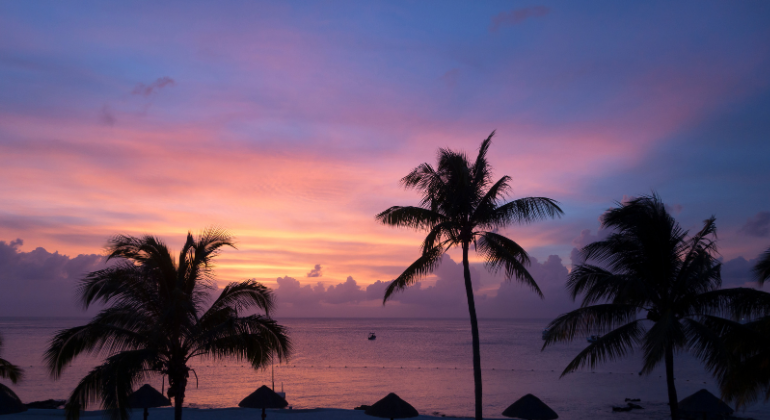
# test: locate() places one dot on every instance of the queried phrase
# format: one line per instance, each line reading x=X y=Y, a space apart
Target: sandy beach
x=234 y=413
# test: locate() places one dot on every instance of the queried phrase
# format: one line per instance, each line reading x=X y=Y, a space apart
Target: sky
x=290 y=124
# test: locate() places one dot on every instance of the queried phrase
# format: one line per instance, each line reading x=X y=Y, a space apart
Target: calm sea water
x=426 y=362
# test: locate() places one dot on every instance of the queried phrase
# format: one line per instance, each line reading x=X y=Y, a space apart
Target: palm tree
x=9 y=371
x=653 y=267
x=762 y=269
x=738 y=350
x=155 y=321
x=462 y=206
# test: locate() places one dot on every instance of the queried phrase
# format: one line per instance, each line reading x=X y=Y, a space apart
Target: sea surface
x=425 y=361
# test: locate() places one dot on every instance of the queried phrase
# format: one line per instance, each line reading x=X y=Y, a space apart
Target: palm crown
x=648 y=265
x=462 y=205
x=156 y=320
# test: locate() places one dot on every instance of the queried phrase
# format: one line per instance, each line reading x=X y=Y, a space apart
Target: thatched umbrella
x=392 y=407
x=147 y=397
x=704 y=402
x=530 y=407
x=9 y=402
x=263 y=398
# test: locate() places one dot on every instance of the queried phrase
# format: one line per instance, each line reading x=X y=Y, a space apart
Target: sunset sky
x=291 y=123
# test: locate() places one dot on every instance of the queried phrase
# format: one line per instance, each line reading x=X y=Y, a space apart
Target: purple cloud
x=40 y=283
x=315 y=272
x=757 y=225
x=147 y=90
x=514 y=17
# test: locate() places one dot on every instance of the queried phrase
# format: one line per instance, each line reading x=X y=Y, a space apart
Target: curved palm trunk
x=673 y=402
x=474 y=332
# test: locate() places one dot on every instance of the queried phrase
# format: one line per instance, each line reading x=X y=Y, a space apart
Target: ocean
x=427 y=362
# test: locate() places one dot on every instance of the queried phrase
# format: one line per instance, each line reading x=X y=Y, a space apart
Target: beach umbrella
x=391 y=407
x=9 y=402
x=147 y=397
x=705 y=403
x=530 y=407
x=263 y=398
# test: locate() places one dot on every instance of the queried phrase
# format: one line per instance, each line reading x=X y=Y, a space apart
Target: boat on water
x=593 y=338
x=372 y=336
x=545 y=333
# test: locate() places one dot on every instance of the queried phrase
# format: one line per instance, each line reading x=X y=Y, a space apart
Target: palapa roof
x=704 y=402
x=9 y=402
x=147 y=397
x=392 y=407
x=530 y=407
x=263 y=397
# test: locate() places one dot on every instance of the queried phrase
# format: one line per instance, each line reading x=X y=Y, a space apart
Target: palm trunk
x=179 y=399
x=673 y=402
x=474 y=332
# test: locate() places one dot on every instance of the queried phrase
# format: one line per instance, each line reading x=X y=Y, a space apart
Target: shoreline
x=229 y=413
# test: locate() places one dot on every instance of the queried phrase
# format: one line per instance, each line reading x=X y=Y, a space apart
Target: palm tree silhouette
x=738 y=352
x=9 y=371
x=462 y=206
x=653 y=267
x=762 y=269
x=155 y=321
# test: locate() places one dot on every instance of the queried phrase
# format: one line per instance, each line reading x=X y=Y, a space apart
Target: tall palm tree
x=653 y=267
x=156 y=321
x=9 y=371
x=462 y=206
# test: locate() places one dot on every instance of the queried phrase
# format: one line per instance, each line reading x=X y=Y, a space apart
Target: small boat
x=545 y=333
x=593 y=338
x=372 y=336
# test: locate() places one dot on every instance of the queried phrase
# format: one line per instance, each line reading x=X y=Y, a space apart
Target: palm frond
x=524 y=210
x=500 y=252
x=667 y=331
x=596 y=319
x=111 y=383
x=424 y=265
x=762 y=269
x=112 y=330
x=613 y=345
x=410 y=217
x=241 y=297
x=255 y=339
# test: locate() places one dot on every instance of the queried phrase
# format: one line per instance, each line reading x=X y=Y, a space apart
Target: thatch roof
x=9 y=402
x=147 y=397
x=391 y=407
x=704 y=402
x=530 y=407
x=263 y=397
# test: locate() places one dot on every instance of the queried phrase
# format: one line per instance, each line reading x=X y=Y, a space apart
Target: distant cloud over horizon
x=40 y=283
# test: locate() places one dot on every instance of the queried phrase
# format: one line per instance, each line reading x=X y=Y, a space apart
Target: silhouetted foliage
x=460 y=206
x=652 y=267
x=156 y=321
x=8 y=370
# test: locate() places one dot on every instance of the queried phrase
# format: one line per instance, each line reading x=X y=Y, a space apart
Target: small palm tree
x=462 y=206
x=653 y=268
x=156 y=321
x=9 y=371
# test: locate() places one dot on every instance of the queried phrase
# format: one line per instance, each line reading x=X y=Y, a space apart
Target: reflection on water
x=426 y=362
